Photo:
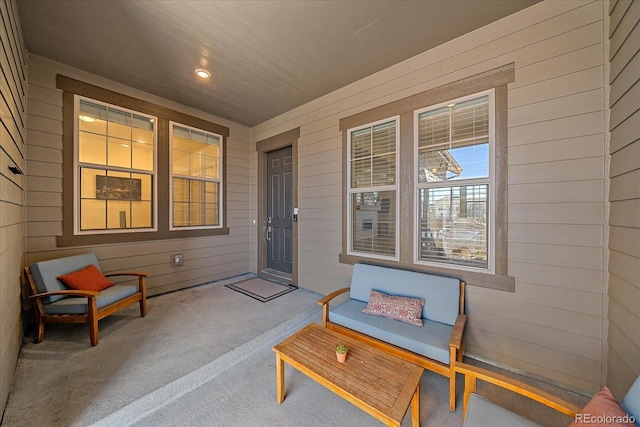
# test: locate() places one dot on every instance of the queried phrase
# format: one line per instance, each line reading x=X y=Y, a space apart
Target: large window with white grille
x=115 y=159
x=454 y=152
x=196 y=171
x=372 y=189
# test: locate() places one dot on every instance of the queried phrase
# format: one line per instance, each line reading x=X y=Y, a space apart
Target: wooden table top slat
x=377 y=380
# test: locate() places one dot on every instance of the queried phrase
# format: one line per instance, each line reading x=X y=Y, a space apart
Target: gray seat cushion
x=78 y=305
x=483 y=413
x=430 y=340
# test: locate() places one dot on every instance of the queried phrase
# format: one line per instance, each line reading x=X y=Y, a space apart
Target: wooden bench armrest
x=128 y=274
x=70 y=293
x=473 y=373
x=457 y=332
x=324 y=302
x=332 y=295
x=141 y=279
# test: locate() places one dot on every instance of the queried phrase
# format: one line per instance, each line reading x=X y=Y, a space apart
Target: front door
x=279 y=233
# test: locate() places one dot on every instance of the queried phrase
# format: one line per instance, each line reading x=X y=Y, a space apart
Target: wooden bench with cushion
x=435 y=346
x=603 y=409
x=86 y=297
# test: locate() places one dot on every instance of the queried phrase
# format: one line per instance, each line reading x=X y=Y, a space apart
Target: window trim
x=221 y=183
x=496 y=78
x=351 y=190
x=71 y=87
x=490 y=180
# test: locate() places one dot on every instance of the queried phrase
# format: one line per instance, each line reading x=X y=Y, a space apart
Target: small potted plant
x=341 y=352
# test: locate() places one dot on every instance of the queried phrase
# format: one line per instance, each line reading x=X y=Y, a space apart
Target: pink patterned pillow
x=404 y=309
x=603 y=410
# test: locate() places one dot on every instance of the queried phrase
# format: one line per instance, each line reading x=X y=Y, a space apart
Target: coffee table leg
x=415 y=408
x=279 y=378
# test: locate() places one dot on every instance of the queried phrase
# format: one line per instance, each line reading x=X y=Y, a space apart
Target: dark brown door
x=279 y=211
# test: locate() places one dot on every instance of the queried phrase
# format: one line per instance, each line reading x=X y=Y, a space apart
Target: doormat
x=260 y=289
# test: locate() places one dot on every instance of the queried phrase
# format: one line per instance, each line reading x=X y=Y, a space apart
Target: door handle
x=268 y=233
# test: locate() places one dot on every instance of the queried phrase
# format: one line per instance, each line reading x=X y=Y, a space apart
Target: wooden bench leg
x=39 y=331
x=415 y=408
x=143 y=307
x=452 y=392
x=452 y=380
x=142 y=288
x=92 y=311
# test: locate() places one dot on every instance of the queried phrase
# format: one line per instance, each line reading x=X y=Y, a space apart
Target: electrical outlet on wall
x=177 y=260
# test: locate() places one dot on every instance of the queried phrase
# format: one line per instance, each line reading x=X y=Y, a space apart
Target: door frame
x=263 y=147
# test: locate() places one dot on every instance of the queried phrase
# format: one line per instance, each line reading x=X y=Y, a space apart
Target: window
x=372 y=189
x=115 y=161
x=196 y=177
x=454 y=147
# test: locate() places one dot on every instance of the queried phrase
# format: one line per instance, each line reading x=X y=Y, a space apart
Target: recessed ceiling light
x=203 y=73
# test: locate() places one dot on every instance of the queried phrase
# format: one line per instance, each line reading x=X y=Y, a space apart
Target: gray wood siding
x=552 y=326
x=13 y=87
x=205 y=258
x=623 y=362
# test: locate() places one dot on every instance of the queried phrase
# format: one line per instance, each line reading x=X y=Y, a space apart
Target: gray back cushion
x=631 y=401
x=441 y=294
x=45 y=273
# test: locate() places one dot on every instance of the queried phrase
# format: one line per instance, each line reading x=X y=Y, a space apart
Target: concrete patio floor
x=202 y=356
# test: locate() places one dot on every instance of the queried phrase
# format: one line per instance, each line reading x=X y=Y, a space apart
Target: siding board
x=557 y=213
x=628 y=104
x=625 y=213
x=627 y=51
x=625 y=186
x=619 y=8
x=565 y=170
x=626 y=132
x=561 y=61
x=625 y=80
x=570 y=105
x=560 y=276
x=562 y=149
x=625 y=160
x=625 y=294
x=570 y=84
x=567 y=127
x=556 y=234
x=557 y=192
x=623 y=28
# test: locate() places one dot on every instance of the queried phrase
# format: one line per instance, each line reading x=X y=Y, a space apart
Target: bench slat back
x=441 y=294
x=45 y=273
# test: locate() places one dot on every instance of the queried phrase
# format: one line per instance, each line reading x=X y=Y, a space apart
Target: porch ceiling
x=265 y=57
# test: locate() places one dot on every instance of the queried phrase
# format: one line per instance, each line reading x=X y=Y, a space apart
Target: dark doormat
x=260 y=289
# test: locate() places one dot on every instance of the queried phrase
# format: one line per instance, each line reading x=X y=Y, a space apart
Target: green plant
x=341 y=348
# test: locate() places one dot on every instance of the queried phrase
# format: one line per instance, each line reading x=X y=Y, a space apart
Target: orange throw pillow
x=86 y=279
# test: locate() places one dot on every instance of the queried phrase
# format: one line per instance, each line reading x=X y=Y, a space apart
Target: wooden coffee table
x=379 y=383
